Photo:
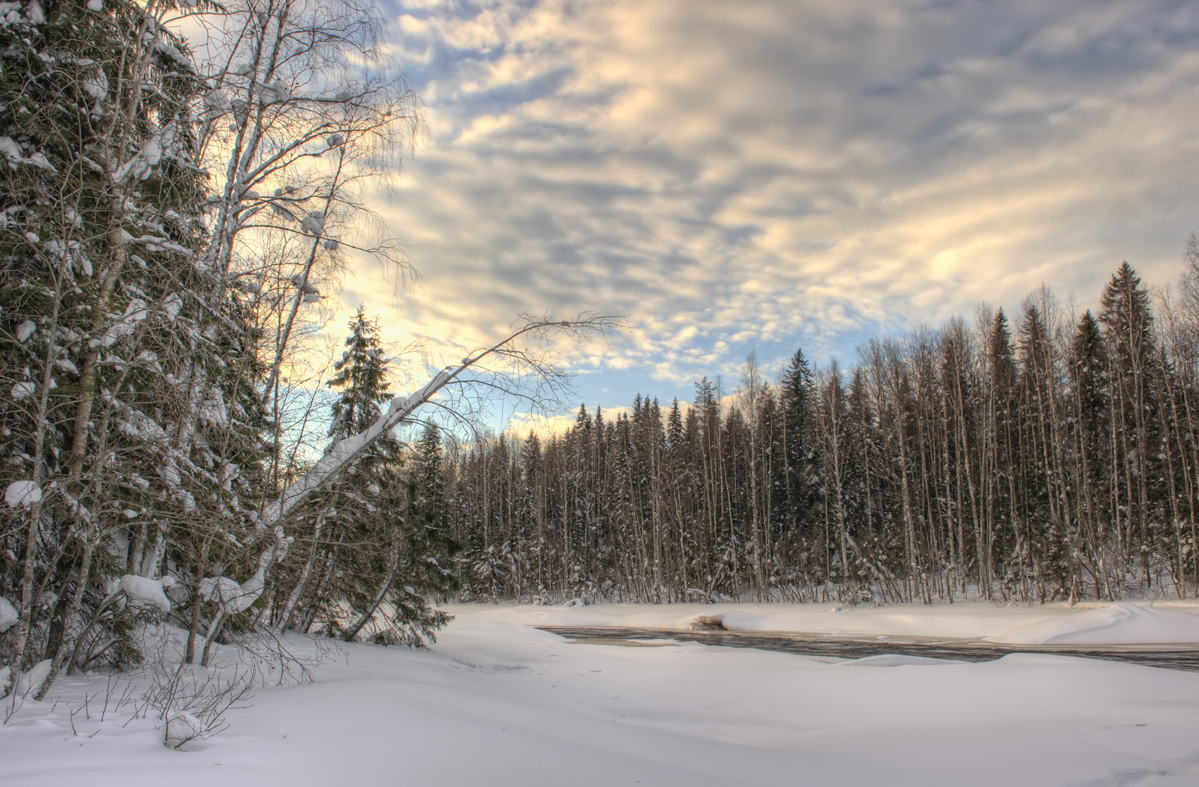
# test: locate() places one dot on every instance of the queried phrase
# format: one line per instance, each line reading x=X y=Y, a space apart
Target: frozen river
x=1171 y=656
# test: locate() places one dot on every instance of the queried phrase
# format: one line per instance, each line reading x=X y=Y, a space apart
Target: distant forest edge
x=1033 y=457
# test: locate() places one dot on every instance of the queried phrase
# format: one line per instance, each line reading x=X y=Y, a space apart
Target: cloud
x=781 y=173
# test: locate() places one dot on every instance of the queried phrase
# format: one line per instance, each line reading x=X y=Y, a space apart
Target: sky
x=768 y=175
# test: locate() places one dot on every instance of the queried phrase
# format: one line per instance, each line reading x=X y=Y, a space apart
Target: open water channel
x=1179 y=657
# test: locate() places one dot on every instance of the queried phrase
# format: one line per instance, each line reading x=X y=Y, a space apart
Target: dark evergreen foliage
x=1056 y=464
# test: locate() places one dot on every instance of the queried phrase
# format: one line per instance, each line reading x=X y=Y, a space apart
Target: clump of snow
x=174 y=54
x=95 y=5
x=275 y=93
x=150 y=592
x=15 y=155
x=8 y=617
x=135 y=312
x=96 y=85
x=181 y=728
x=22 y=493
x=142 y=164
x=21 y=390
x=172 y=305
x=313 y=223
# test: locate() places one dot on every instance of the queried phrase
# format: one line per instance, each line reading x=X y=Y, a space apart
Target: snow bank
x=1126 y=623
x=1122 y=623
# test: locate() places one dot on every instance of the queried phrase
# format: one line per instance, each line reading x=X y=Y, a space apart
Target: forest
x=1046 y=456
x=186 y=184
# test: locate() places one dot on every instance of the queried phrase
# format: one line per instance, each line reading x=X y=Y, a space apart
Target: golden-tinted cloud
x=781 y=173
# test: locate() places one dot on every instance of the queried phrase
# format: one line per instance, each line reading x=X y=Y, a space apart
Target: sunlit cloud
x=778 y=174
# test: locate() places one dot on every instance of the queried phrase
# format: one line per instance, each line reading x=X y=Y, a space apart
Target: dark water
x=1169 y=657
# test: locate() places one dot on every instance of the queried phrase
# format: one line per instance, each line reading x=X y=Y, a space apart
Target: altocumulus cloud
x=775 y=173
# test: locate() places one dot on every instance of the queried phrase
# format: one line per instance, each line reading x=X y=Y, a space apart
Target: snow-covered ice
x=497 y=702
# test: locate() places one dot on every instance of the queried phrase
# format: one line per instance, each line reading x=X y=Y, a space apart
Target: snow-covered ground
x=497 y=702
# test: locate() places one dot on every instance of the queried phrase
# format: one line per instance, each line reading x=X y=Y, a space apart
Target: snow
x=497 y=702
x=29 y=682
x=22 y=493
x=172 y=305
x=95 y=5
x=143 y=162
x=135 y=312
x=1118 y=624
x=12 y=151
x=341 y=453
x=8 y=617
x=275 y=93
x=182 y=727
x=313 y=223
x=21 y=390
x=1124 y=623
x=151 y=592
x=96 y=85
x=173 y=53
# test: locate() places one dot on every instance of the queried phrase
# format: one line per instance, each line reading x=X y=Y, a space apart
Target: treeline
x=1038 y=457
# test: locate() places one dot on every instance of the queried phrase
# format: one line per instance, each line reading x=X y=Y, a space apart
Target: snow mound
x=182 y=727
x=29 y=682
x=1122 y=623
x=895 y=660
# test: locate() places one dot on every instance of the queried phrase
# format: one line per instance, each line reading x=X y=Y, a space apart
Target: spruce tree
x=1127 y=323
x=376 y=540
x=108 y=324
x=798 y=403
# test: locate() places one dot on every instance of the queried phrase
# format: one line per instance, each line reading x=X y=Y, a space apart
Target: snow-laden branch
x=346 y=451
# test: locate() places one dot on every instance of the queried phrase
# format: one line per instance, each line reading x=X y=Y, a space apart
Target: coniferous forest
x=1035 y=456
